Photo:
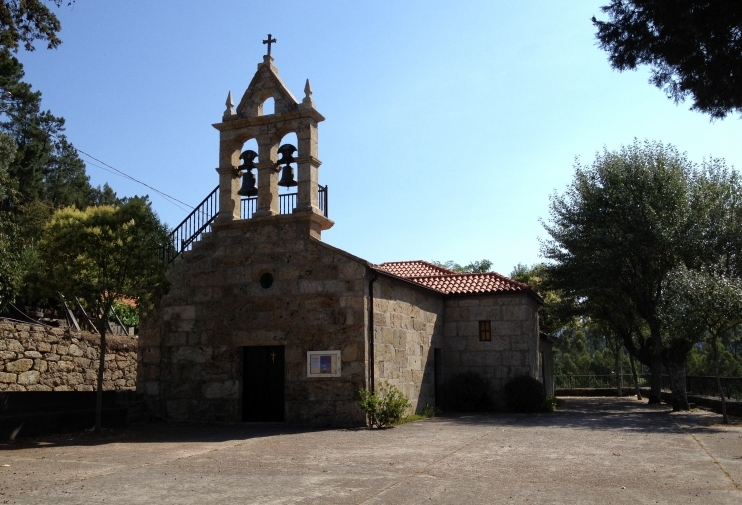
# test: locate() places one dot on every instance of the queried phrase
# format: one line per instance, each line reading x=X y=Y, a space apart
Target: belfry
x=249 y=122
x=266 y=322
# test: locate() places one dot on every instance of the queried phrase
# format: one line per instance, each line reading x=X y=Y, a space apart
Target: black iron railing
x=286 y=203
x=323 y=199
x=183 y=236
x=707 y=386
x=190 y=229
x=596 y=381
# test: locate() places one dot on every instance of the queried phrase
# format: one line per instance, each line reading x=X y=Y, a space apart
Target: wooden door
x=262 y=384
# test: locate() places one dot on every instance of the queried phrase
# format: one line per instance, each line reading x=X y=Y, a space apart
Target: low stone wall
x=37 y=358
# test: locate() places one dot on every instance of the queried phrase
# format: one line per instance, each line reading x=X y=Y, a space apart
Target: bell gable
x=266 y=84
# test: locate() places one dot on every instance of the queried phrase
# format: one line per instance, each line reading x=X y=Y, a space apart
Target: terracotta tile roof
x=409 y=269
x=451 y=283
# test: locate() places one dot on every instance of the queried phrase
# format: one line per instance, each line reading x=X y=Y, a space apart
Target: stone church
x=266 y=322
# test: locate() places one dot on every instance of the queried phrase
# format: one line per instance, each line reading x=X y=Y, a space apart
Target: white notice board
x=323 y=363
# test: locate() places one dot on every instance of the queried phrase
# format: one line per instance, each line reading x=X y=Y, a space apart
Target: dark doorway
x=262 y=384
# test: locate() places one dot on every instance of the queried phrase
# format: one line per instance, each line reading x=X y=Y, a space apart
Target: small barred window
x=485 y=332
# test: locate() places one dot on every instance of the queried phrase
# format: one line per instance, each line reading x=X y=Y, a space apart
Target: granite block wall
x=190 y=352
x=408 y=324
x=513 y=349
x=38 y=358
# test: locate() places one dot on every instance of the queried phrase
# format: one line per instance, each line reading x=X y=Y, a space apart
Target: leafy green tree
x=694 y=48
x=616 y=233
x=22 y=22
x=717 y=220
x=43 y=171
x=702 y=305
x=45 y=166
x=9 y=254
x=102 y=254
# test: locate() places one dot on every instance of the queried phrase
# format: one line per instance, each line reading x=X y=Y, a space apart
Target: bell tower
x=249 y=122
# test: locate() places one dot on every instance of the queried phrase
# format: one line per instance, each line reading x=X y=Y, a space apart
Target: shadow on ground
x=602 y=414
x=578 y=413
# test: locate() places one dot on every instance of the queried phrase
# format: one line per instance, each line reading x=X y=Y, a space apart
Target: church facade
x=266 y=322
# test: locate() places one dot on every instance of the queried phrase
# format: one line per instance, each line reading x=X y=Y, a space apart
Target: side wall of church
x=513 y=349
x=190 y=354
x=408 y=324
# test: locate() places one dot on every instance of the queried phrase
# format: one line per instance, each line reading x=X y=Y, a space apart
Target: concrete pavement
x=592 y=451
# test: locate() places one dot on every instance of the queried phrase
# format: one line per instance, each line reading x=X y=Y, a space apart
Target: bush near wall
x=38 y=358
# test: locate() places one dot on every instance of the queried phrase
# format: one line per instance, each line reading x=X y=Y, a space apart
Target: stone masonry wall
x=191 y=351
x=408 y=323
x=514 y=348
x=37 y=358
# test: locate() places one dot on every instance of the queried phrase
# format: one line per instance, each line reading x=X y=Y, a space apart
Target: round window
x=266 y=280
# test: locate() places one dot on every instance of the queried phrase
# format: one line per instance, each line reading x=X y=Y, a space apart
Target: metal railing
x=694 y=384
x=706 y=386
x=286 y=203
x=190 y=229
x=323 y=191
x=596 y=381
x=199 y=221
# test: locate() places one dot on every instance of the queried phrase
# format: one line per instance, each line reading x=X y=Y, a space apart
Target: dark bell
x=287 y=174
x=248 y=179
x=286 y=151
x=248 y=159
x=287 y=177
x=248 y=185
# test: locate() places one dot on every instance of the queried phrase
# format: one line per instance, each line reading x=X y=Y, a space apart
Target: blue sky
x=449 y=124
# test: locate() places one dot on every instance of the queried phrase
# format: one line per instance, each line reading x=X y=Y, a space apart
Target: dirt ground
x=591 y=451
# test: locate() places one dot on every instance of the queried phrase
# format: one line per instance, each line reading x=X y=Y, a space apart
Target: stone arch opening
x=249 y=180
x=268 y=107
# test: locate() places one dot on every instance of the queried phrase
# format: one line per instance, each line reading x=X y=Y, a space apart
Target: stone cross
x=269 y=42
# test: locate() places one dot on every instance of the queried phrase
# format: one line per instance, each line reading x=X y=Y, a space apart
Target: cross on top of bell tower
x=269 y=42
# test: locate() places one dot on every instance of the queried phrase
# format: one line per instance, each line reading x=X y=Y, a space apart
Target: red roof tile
x=409 y=269
x=448 y=282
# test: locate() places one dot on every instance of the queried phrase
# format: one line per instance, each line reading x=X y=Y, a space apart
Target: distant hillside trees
x=475 y=267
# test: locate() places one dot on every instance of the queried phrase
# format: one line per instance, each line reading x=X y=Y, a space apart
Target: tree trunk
x=676 y=370
x=103 y=323
x=715 y=357
x=617 y=356
x=636 y=378
x=655 y=381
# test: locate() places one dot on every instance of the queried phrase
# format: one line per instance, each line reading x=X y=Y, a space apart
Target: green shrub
x=128 y=314
x=469 y=392
x=524 y=394
x=551 y=403
x=429 y=411
x=385 y=406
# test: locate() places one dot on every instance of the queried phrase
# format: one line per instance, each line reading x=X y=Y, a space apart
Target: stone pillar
x=229 y=181
x=267 y=178
x=308 y=167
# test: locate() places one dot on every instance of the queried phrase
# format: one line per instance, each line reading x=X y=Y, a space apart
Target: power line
x=116 y=171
